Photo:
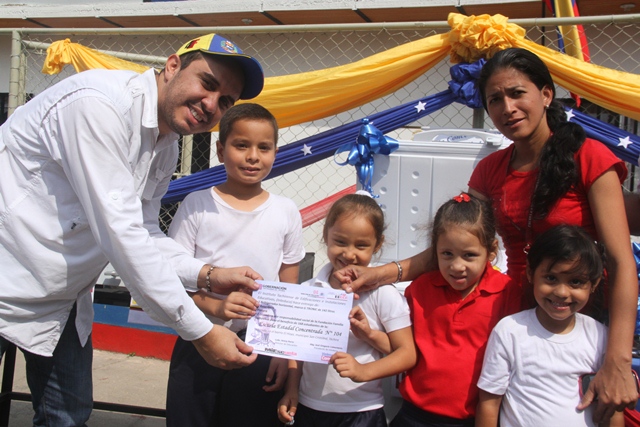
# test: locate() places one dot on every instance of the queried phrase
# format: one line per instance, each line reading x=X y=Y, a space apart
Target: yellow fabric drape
x=302 y=97
x=82 y=58
x=299 y=98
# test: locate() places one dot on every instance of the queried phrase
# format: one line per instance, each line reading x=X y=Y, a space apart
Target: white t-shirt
x=216 y=233
x=538 y=371
x=321 y=387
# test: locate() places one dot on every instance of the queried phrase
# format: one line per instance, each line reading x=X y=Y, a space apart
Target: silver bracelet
x=207 y=280
x=399 y=278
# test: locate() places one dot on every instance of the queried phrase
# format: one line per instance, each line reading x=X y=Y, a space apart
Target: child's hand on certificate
x=348 y=367
x=359 y=323
x=238 y=305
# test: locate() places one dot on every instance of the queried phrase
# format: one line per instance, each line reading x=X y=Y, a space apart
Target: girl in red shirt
x=453 y=310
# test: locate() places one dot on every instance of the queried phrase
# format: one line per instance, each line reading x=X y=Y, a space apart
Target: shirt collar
x=150 y=89
x=322 y=279
x=485 y=285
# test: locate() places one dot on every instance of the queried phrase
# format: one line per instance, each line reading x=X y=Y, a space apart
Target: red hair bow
x=462 y=197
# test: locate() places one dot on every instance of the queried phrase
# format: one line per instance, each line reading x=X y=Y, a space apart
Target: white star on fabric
x=625 y=142
x=570 y=115
x=306 y=149
x=420 y=107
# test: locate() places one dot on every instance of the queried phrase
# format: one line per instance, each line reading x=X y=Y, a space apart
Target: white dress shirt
x=82 y=173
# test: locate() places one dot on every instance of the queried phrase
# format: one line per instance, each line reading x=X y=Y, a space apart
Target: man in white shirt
x=83 y=168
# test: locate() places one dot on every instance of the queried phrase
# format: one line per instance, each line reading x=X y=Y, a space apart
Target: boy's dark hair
x=246 y=111
x=355 y=205
x=471 y=213
x=558 y=171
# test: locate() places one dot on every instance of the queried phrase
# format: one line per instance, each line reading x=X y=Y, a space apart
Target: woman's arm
x=614 y=385
x=632 y=207
x=617 y=420
x=356 y=277
x=399 y=360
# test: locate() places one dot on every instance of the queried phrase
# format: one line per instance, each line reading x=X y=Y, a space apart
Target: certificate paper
x=306 y=323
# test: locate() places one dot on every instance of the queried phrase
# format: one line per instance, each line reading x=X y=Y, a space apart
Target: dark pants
x=412 y=416
x=200 y=395
x=307 y=417
x=61 y=385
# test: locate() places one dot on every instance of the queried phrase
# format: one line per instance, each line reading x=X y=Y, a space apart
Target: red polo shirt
x=451 y=335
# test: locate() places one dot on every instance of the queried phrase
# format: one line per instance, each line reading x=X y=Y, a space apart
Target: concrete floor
x=117 y=378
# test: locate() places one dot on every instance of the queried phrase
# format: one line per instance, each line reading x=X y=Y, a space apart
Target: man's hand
x=223 y=349
x=227 y=280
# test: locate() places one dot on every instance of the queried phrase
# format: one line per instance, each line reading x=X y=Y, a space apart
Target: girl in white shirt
x=535 y=359
x=348 y=391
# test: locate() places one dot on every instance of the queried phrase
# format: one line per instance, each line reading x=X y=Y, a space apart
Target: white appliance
x=422 y=174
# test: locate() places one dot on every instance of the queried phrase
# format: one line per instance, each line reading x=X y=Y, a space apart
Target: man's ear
x=219 y=149
x=172 y=67
x=529 y=274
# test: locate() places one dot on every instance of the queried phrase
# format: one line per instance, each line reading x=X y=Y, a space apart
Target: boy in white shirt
x=235 y=223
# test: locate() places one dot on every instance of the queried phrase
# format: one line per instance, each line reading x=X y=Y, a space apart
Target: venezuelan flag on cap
x=213 y=44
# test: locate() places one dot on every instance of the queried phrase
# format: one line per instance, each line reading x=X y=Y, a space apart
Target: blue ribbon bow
x=464 y=84
x=370 y=141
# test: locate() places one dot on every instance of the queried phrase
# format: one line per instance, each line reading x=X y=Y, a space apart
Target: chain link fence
x=612 y=45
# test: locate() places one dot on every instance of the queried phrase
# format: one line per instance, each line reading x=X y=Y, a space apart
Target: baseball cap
x=214 y=44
